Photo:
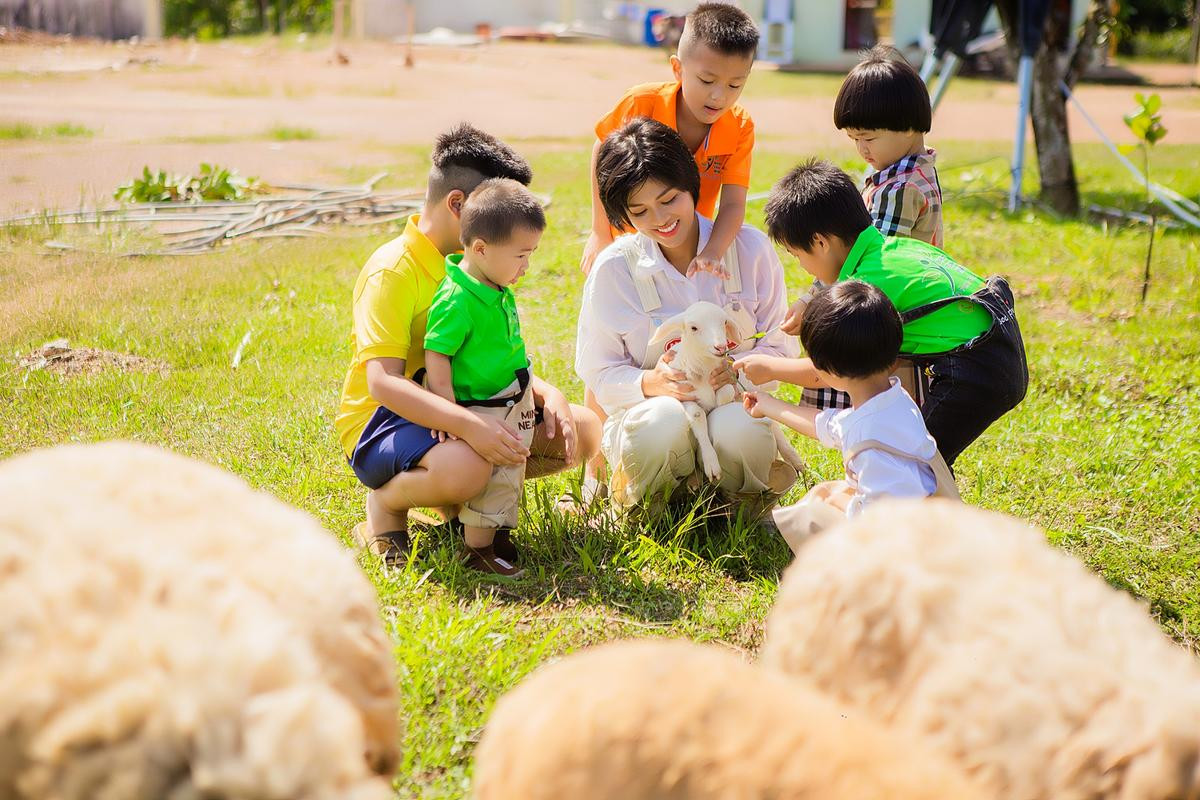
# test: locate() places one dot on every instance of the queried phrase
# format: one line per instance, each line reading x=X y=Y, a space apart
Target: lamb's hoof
x=713 y=475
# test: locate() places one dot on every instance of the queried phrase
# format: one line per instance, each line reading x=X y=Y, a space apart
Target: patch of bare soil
x=290 y=115
x=23 y=36
x=62 y=359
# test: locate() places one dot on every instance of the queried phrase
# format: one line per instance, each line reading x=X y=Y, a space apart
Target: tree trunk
x=1194 y=45
x=1051 y=135
x=262 y=16
x=1048 y=107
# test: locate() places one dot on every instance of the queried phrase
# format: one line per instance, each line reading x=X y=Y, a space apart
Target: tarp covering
x=954 y=23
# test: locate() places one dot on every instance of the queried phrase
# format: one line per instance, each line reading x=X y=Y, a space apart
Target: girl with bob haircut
x=649 y=181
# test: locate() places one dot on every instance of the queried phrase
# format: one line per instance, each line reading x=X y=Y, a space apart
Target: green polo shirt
x=912 y=273
x=477 y=326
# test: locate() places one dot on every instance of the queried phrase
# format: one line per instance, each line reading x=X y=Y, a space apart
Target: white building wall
x=818 y=31
x=385 y=18
x=911 y=22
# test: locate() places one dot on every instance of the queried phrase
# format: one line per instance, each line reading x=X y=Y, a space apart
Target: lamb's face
x=704 y=330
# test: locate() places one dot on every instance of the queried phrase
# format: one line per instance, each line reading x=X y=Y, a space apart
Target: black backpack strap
x=914 y=314
x=995 y=297
x=522 y=376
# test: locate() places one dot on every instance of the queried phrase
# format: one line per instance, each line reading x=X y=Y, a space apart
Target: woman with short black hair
x=647 y=179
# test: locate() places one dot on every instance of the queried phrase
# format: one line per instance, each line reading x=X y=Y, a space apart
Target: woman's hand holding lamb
x=664 y=381
x=724 y=375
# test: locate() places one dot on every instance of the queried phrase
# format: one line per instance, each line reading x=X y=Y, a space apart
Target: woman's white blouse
x=610 y=343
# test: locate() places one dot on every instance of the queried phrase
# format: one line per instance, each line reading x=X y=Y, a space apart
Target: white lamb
x=671 y=720
x=703 y=336
x=167 y=632
x=966 y=629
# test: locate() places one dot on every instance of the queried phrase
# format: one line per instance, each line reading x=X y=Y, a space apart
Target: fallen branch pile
x=197 y=228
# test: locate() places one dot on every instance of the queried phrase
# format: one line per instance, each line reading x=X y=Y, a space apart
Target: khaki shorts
x=500 y=501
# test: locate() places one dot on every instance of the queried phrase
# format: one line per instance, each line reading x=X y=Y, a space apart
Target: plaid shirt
x=905 y=199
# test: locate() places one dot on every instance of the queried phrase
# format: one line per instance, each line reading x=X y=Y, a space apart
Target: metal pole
x=949 y=68
x=929 y=65
x=1168 y=198
x=1025 y=89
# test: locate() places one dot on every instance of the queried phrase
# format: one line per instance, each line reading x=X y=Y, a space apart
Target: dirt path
x=175 y=104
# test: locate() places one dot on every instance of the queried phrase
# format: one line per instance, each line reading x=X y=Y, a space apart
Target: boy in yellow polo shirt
x=716 y=53
x=386 y=419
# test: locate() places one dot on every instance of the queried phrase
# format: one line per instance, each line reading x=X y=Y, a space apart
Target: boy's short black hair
x=883 y=92
x=721 y=27
x=464 y=157
x=815 y=197
x=638 y=151
x=496 y=208
x=852 y=330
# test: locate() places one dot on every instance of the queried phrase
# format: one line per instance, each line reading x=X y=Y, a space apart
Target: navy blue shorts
x=388 y=446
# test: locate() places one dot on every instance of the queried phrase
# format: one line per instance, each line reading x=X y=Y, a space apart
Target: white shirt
x=610 y=343
x=890 y=417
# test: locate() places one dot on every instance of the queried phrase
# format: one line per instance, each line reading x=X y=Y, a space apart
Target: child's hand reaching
x=443 y=436
x=761 y=404
x=750 y=403
x=703 y=262
x=758 y=369
x=795 y=315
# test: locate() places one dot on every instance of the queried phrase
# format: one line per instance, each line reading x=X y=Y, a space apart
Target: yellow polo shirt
x=391 y=303
x=724 y=155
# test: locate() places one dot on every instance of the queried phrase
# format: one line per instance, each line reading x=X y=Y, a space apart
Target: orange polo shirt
x=724 y=155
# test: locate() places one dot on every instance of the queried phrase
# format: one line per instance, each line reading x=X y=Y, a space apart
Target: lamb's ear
x=671 y=329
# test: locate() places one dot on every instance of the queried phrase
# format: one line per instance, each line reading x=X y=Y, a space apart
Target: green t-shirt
x=478 y=328
x=912 y=273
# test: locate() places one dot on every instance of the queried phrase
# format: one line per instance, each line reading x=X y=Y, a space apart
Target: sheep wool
x=1005 y=654
x=167 y=632
x=670 y=720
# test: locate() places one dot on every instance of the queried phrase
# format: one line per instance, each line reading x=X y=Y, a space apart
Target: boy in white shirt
x=852 y=332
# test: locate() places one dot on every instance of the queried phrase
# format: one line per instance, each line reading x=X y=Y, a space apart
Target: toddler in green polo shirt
x=474 y=354
x=959 y=329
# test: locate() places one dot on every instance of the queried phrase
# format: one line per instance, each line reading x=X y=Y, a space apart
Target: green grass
x=284 y=133
x=1172 y=46
x=774 y=83
x=1103 y=453
x=60 y=130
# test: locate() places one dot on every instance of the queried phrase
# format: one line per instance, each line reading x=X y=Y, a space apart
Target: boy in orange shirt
x=716 y=53
x=711 y=69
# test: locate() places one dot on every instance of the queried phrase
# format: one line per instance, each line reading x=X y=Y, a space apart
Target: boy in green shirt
x=474 y=354
x=959 y=329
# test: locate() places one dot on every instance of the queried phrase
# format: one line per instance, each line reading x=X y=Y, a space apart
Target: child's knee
x=463 y=474
x=733 y=430
x=588 y=431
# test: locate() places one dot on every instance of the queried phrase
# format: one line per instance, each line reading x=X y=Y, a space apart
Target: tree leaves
x=1145 y=122
x=210 y=19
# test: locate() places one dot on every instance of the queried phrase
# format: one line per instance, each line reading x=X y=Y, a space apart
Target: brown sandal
x=392 y=546
x=485 y=559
